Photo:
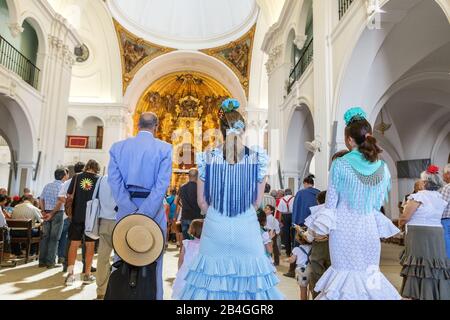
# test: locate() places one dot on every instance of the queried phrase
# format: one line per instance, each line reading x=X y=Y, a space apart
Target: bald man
x=140 y=170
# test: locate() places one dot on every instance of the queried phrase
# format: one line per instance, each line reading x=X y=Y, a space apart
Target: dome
x=193 y=24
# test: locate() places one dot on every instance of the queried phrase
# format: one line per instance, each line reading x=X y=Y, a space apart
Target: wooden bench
x=28 y=240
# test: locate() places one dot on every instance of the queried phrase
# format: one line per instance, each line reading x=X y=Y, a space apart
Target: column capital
x=15 y=29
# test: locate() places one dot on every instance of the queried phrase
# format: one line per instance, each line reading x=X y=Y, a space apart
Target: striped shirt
x=50 y=195
x=446 y=195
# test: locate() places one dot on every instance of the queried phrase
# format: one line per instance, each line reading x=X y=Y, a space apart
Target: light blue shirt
x=50 y=195
x=142 y=163
x=107 y=202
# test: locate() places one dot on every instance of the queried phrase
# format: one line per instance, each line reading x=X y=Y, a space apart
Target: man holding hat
x=140 y=171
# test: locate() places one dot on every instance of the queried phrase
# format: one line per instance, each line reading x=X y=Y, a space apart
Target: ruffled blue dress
x=232 y=263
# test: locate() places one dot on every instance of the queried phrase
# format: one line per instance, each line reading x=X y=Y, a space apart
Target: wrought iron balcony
x=343 y=7
x=12 y=59
x=302 y=64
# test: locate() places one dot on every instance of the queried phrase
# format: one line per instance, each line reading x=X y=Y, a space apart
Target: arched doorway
x=187 y=104
x=297 y=159
x=17 y=135
x=5 y=164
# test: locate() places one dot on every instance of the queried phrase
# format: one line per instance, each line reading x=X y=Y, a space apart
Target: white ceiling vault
x=181 y=24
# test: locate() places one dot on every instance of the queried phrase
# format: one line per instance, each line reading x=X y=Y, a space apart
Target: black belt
x=139 y=195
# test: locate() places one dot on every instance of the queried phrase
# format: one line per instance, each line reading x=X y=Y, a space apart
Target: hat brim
x=125 y=252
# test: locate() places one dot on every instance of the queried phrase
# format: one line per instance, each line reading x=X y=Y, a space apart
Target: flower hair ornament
x=354 y=114
x=433 y=169
x=230 y=105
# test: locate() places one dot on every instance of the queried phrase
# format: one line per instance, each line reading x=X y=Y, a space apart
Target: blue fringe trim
x=359 y=192
x=231 y=188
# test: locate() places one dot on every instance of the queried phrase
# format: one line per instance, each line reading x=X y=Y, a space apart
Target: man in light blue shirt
x=140 y=170
x=107 y=222
x=53 y=219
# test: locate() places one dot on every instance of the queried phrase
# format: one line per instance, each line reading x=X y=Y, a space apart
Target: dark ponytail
x=309 y=179
x=361 y=132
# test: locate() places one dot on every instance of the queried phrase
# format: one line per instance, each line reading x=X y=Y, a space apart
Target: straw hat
x=138 y=240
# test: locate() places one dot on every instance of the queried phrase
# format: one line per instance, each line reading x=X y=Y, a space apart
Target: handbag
x=91 y=227
x=68 y=205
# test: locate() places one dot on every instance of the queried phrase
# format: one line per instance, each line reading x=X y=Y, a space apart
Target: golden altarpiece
x=187 y=104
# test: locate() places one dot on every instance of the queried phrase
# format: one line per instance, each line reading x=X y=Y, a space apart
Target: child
x=266 y=236
x=188 y=253
x=273 y=225
x=320 y=252
x=300 y=256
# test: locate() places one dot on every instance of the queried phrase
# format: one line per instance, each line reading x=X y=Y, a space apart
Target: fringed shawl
x=231 y=188
x=361 y=191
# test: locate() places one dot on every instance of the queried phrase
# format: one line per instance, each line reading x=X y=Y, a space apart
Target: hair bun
x=312 y=176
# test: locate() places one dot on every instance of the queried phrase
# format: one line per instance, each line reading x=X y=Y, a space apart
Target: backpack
x=132 y=283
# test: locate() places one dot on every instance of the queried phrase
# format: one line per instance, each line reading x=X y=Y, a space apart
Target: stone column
x=278 y=75
x=115 y=130
x=56 y=80
x=323 y=86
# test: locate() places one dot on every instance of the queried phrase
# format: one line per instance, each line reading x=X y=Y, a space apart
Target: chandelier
x=382 y=127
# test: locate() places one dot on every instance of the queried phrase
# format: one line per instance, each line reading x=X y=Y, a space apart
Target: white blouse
x=430 y=211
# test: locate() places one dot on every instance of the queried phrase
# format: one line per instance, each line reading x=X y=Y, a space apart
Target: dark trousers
x=185 y=224
x=320 y=262
x=287 y=231
x=276 y=250
x=62 y=244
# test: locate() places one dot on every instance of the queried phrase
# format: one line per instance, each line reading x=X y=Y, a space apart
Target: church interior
x=76 y=75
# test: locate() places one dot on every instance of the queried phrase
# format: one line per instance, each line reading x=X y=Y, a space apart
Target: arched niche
x=296 y=158
x=17 y=131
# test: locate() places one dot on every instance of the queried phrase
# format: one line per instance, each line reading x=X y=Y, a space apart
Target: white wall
x=5 y=158
x=402 y=67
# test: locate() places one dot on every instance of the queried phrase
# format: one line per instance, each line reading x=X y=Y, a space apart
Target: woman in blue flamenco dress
x=232 y=264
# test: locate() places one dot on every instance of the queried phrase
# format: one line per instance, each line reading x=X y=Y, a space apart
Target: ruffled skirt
x=355 y=255
x=426 y=268
x=232 y=264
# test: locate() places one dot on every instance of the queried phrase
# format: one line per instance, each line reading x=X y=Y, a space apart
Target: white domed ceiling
x=186 y=24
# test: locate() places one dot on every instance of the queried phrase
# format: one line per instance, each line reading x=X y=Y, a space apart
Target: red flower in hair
x=433 y=169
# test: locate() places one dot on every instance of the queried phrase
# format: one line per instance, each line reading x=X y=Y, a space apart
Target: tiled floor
x=30 y=282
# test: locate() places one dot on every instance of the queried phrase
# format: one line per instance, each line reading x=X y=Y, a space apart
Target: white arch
x=439 y=141
x=35 y=21
x=94 y=116
x=178 y=61
x=300 y=129
x=23 y=140
x=402 y=84
x=445 y=6
x=356 y=43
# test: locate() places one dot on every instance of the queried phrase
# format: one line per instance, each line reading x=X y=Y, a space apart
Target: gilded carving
x=135 y=53
x=238 y=56
x=187 y=105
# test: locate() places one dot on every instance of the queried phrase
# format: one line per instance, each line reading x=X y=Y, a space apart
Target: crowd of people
x=233 y=230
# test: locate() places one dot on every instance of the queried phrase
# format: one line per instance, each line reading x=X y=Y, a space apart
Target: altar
x=187 y=105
